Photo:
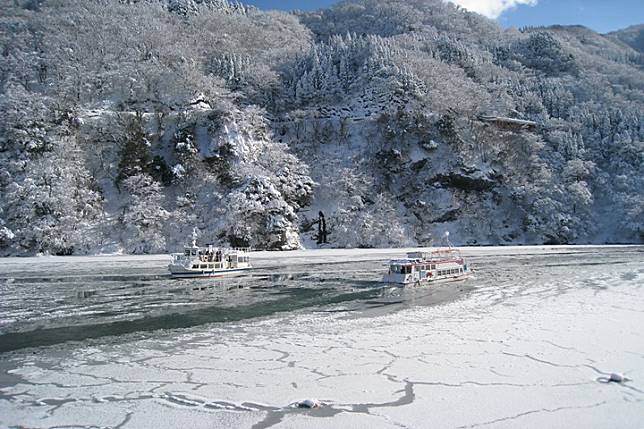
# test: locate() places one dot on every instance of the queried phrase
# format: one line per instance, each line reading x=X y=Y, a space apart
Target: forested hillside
x=126 y=124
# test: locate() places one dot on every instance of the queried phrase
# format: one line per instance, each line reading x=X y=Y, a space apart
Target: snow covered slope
x=127 y=124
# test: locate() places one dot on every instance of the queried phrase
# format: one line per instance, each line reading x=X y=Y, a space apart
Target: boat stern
x=395 y=278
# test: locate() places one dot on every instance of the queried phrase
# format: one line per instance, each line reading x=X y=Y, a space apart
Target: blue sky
x=600 y=15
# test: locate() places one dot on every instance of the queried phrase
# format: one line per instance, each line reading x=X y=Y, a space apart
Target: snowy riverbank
x=311 y=255
x=527 y=346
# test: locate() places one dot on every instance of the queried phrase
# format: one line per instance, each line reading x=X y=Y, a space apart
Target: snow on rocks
x=614 y=377
x=308 y=403
x=617 y=378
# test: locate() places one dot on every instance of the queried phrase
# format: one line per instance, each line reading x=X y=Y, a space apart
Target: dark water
x=46 y=304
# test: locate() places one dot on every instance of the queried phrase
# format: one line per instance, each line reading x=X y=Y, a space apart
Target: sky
x=600 y=15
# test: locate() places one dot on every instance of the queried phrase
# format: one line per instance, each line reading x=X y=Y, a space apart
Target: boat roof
x=405 y=261
x=226 y=250
x=437 y=256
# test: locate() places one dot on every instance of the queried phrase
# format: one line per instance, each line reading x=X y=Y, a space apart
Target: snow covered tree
x=52 y=206
x=257 y=216
x=373 y=225
x=143 y=215
x=135 y=148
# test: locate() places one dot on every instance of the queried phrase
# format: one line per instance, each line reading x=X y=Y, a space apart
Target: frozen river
x=528 y=342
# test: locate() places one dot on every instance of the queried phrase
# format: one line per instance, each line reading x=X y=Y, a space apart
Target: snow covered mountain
x=127 y=123
x=633 y=36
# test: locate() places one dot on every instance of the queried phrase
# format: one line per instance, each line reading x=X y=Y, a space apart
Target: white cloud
x=492 y=8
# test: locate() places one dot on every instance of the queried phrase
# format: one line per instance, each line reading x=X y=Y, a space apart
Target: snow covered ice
x=525 y=343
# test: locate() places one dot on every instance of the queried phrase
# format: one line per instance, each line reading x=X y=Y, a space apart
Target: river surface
x=116 y=336
x=52 y=300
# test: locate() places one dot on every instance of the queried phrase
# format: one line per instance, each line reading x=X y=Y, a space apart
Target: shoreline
x=261 y=255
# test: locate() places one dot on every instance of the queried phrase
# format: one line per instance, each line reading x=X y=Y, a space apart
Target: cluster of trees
x=125 y=124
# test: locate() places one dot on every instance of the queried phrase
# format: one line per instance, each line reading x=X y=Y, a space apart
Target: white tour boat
x=444 y=264
x=209 y=261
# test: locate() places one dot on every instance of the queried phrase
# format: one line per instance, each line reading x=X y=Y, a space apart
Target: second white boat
x=428 y=267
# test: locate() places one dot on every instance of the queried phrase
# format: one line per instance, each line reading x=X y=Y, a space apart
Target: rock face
x=398 y=120
x=466 y=182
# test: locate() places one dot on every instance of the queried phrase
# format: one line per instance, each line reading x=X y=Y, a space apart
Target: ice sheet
x=529 y=345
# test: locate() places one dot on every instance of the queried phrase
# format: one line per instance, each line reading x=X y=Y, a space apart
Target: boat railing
x=239 y=249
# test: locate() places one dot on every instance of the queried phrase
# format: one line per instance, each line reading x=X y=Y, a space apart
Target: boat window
x=186 y=252
x=195 y=266
x=433 y=267
x=204 y=266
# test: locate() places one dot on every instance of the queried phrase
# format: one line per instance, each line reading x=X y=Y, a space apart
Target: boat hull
x=195 y=274
x=427 y=281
